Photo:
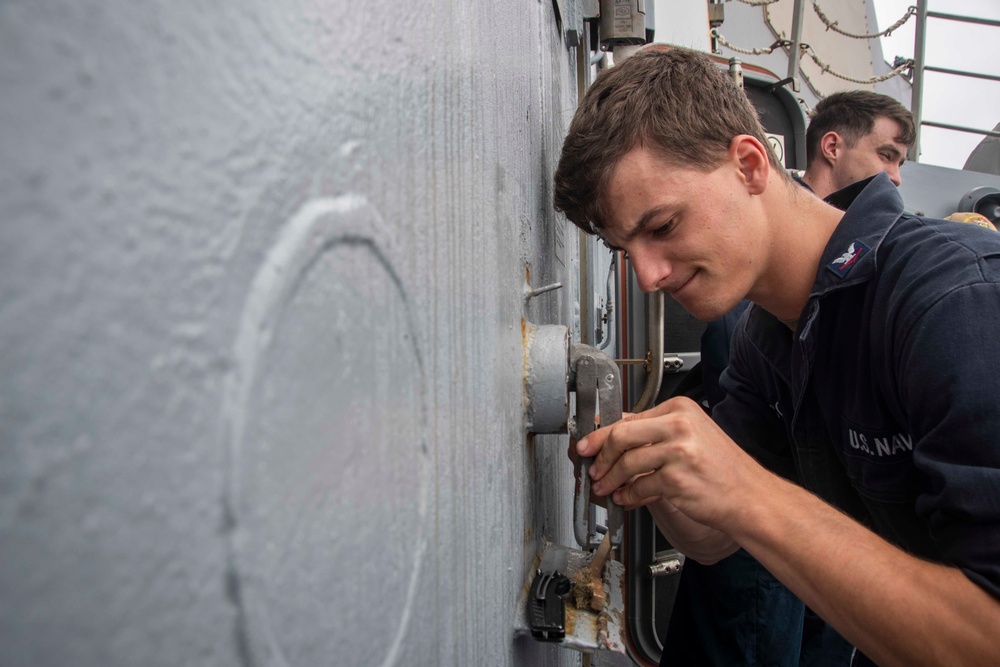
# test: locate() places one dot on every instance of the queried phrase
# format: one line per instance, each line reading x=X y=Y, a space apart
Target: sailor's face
x=688 y=233
x=876 y=151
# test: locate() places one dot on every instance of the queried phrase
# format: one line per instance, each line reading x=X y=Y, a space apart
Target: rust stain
x=582 y=590
x=570 y=619
x=602 y=630
x=525 y=364
x=579 y=622
x=526 y=335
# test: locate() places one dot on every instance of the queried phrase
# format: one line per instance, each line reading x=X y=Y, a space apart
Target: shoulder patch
x=843 y=264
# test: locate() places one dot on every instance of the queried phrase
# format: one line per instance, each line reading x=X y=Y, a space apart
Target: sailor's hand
x=571 y=451
x=674 y=453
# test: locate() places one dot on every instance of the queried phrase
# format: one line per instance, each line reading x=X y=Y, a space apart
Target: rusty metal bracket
x=599 y=633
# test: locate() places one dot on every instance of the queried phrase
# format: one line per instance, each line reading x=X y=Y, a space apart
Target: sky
x=956 y=100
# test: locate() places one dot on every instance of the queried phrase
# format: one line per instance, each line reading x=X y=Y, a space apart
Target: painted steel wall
x=261 y=267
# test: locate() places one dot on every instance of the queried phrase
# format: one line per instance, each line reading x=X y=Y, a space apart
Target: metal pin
x=625 y=362
x=542 y=290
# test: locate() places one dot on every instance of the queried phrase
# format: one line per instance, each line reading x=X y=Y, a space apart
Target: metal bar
x=716 y=17
x=610 y=312
x=583 y=239
x=586 y=411
x=623 y=346
x=917 y=90
x=583 y=65
x=964 y=19
x=654 y=342
x=609 y=394
x=959 y=128
x=975 y=75
x=793 y=53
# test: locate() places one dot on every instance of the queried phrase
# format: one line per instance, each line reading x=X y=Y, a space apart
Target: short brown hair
x=676 y=102
x=852 y=115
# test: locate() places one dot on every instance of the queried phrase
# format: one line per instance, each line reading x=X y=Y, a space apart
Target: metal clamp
x=597 y=382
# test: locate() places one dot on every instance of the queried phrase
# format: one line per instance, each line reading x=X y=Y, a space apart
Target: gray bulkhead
x=262 y=318
x=261 y=361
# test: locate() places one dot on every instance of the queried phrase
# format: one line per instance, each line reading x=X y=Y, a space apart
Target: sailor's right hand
x=571 y=452
x=674 y=452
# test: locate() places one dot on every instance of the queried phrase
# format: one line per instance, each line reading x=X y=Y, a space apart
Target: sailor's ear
x=831 y=145
x=751 y=156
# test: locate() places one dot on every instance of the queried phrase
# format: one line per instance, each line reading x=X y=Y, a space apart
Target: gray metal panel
x=936 y=191
x=985 y=157
x=261 y=270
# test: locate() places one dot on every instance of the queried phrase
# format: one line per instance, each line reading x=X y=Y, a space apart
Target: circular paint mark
x=327 y=430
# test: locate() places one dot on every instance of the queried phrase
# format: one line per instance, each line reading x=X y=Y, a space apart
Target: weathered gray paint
x=546 y=378
x=261 y=269
x=938 y=191
x=985 y=157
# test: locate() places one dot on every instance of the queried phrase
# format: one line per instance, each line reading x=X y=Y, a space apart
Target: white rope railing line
x=806 y=49
x=750 y=52
x=896 y=71
x=832 y=25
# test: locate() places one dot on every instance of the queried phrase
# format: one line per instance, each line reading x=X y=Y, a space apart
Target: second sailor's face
x=876 y=151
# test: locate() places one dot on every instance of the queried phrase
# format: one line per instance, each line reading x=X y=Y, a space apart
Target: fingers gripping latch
x=597 y=382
